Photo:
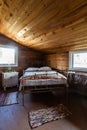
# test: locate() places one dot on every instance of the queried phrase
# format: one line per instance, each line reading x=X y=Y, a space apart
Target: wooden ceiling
x=49 y=26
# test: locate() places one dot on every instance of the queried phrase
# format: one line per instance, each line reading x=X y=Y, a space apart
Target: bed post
x=23 y=92
x=67 y=91
x=23 y=96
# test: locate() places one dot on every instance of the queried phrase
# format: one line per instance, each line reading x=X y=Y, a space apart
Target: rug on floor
x=42 y=116
x=8 y=98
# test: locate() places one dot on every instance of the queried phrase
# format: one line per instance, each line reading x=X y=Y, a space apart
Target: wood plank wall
x=26 y=56
x=58 y=61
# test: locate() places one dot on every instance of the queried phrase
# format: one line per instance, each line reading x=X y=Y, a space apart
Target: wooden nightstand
x=9 y=79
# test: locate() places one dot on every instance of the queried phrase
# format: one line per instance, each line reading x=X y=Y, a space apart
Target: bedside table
x=9 y=79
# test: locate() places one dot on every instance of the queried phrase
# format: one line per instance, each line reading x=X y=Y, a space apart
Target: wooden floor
x=15 y=117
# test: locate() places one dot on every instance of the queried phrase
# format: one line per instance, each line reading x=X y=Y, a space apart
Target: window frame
x=16 y=56
x=71 y=60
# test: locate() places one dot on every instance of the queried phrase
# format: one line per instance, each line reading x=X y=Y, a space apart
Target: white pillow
x=30 y=69
x=45 y=68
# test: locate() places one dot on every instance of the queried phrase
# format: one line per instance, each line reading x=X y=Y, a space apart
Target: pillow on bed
x=30 y=69
x=45 y=68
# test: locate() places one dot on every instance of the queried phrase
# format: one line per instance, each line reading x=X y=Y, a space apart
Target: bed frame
x=44 y=88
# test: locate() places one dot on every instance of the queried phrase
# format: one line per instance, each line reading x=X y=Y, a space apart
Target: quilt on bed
x=42 y=78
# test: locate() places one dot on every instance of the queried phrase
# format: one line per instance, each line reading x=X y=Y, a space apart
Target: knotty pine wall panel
x=58 y=61
x=26 y=56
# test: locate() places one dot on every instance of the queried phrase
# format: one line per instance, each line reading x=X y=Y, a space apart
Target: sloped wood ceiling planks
x=49 y=26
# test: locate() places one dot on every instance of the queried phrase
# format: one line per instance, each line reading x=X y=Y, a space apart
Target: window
x=78 y=60
x=8 y=56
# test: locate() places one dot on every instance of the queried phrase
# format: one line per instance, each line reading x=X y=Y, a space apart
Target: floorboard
x=15 y=117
